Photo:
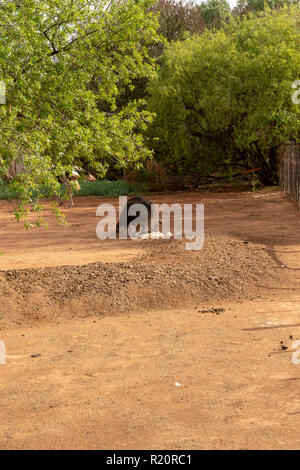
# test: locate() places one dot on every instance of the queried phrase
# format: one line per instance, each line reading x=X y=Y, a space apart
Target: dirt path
x=215 y=374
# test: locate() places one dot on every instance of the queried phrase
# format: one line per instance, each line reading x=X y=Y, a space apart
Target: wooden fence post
x=289 y=176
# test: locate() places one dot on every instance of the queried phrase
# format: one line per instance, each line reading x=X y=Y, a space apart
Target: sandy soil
x=262 y=217
x=153 y=347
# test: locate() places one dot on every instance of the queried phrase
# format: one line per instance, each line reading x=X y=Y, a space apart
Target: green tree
x=65 y=64
x=225 y=97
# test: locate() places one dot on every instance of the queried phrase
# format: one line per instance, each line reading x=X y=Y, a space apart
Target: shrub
x=224 y=97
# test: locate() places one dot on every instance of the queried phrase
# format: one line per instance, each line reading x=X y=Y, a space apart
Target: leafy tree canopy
x=215 y=12
x=225 y=96
x=65 y=64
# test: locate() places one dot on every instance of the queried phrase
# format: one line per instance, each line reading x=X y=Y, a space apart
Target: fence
x=290 y=170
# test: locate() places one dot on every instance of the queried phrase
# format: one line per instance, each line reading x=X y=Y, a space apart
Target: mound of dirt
x=166 y=276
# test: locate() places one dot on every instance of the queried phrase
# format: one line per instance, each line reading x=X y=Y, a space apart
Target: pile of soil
x=166 y=276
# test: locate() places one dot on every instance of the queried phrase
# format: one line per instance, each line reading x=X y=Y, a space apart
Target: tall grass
x=7 y=191
x=101 y=188
x=107 y=188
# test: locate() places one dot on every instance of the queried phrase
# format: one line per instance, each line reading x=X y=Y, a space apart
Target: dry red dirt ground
x=141 y=344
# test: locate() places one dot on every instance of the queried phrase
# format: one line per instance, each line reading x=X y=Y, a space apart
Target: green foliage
x=65 y=64
x=215 y=12
x=260 y=5
x=106 y=188
x=8 y=192
x=177 y=18
x=102 y=188
x=225 y=97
